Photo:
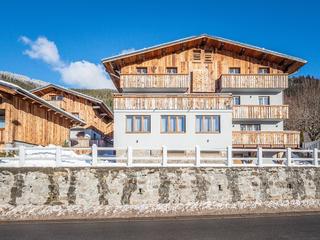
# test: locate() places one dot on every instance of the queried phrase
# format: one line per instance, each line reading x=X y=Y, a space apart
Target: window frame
x=134 y=127
x=58 y=97
x=169 y=127
x=196 y=52
x=233 y=69
x=212 y=126
x=4 y=118
x=140 y=68
x=268 y=97
x=233 y=97
x=260 y=68
x=171 y=68
x=254 y=124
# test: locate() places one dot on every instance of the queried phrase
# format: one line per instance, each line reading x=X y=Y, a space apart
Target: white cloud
x=126 y=51
x=82 y=74
x=42 y=49
x=85 y=74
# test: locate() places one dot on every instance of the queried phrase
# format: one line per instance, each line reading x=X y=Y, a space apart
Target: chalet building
x=94 y=112
x=26 y=119
x=202 y=90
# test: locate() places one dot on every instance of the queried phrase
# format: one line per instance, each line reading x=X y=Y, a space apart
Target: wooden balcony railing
x=155 y=81
x=172 y=102
x=253 y=81
x=271 y=139
x=275 y=112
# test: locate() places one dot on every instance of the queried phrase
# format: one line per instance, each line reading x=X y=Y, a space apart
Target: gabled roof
x=289 y=64
x=18 y=90
x=99 y=102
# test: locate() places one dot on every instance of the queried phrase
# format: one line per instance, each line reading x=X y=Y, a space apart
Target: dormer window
x=172 y=70
x=56 y=98
x=264 y=70
x=142 y=70
x=234 y=70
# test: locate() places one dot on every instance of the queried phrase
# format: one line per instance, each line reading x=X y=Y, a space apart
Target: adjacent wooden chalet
x=27 y=119
x=94 y=112
x=205 y=80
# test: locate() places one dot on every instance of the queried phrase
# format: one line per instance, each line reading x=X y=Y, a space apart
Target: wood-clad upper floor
x=93 y=111
x=28 y=119
x=172 y=102
x=260 y=112
x=203 y=58
x=269 y=139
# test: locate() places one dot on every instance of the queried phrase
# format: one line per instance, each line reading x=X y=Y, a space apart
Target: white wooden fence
x=164 y=157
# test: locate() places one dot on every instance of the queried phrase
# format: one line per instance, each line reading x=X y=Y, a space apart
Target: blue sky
x=84 y=32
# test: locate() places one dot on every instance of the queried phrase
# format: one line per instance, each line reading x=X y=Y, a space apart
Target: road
x=275 y=227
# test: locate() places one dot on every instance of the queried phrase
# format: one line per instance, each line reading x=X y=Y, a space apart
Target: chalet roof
x=289 y=64
x=27 y=94
x=99 y=102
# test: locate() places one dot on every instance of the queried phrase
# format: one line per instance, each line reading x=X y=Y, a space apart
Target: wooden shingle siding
x=261 y=112
x=154 y=81
x=253 y=81
x=169 y=102
x=266 y=139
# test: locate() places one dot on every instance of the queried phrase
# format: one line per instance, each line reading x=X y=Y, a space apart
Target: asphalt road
x=276 y=227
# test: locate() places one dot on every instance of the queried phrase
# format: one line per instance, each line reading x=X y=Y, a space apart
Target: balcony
x=260 y=112
x=253 y=82
x=271 y=139
x=172 y=102
x=154 y=82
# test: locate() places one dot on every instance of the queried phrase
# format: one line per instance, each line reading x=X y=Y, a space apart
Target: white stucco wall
x=187 y=140
x=253 y=98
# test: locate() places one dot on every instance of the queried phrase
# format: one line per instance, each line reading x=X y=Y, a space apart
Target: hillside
x=21 y=80
x=103 y=94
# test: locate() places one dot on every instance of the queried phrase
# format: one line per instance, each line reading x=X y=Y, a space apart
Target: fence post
x=129 y=156
x=164 y=156
x=229 y=156
x=197 y=155
x=94 y=154
x=58 y=155
x=289 y=159
x=315 y=157
x=260 y=160
x=22 y=155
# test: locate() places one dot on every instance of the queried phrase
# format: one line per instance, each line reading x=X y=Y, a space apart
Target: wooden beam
x=263 y=56
x=242 y=51
x=95 y=107
x=221 y=47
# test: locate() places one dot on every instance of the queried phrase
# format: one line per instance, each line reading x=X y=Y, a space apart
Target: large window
x=207 y=123
x=234 y=70
x=264 y=70
x=172 y=70
x=173 y=124
x=250 y=127
x=236 y=100
x=142 y=70
x=138 y=124
x=2 y=118
x=264 y=100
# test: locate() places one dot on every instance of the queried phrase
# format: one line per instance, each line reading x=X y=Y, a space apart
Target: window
x=250 y=127
x=264 y=100
x=138 y=124
x=208 y=56
x=207 y=124
x=234 y=70
x=172 y=70
x=56 y=98
x=173 y=124
x=264 y=70
x=2 y=118
x=236 y=100
x=196 y=56
x=142 y=70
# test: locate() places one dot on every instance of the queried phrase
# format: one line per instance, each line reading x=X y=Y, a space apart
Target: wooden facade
x=271 y=139
x=264 y=112
x=32 y=121
x=170 y=102
x=95 y=114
